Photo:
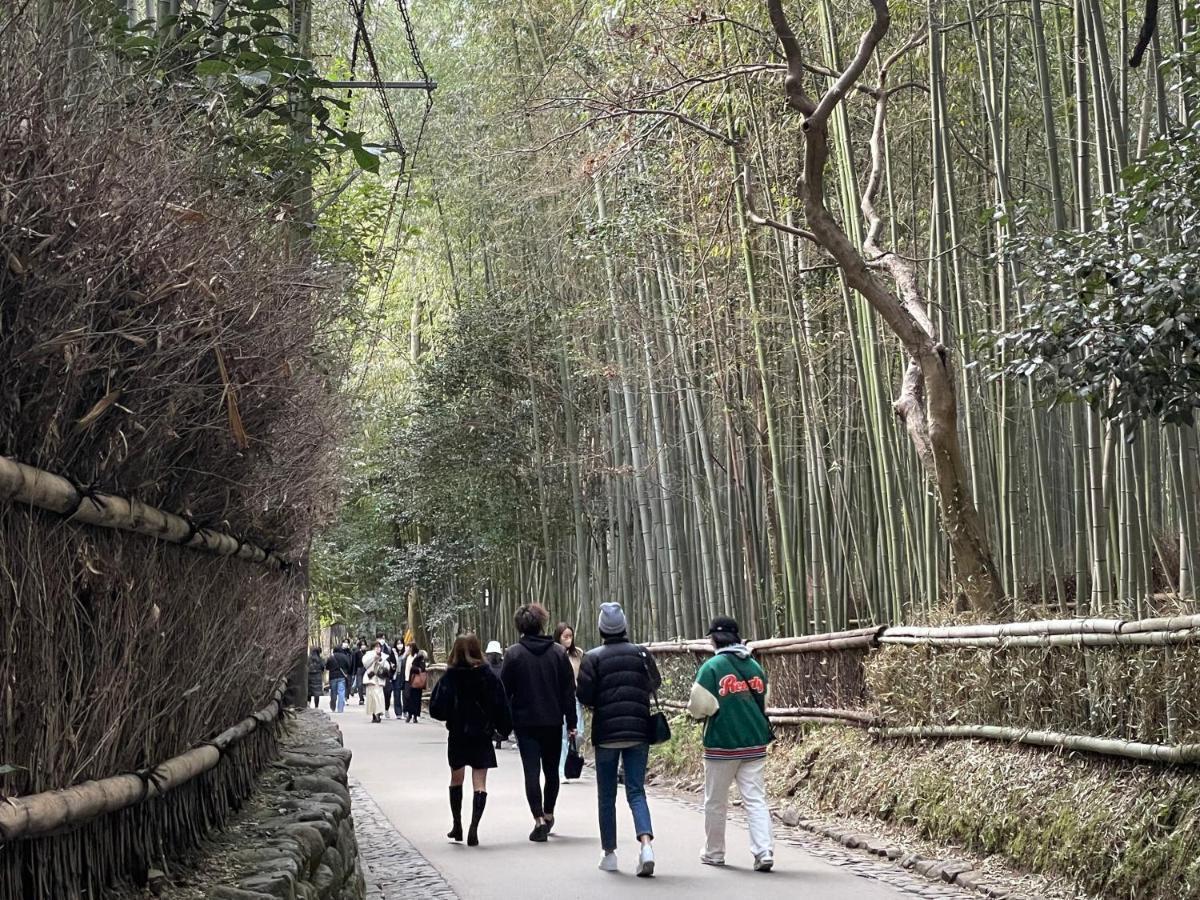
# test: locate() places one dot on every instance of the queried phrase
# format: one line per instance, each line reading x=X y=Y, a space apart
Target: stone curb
x=948 y=871
x=305 y=848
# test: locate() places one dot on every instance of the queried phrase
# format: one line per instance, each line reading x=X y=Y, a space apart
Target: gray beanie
x=612 y=619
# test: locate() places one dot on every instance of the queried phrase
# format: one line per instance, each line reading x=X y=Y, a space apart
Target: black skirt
x=476 y=752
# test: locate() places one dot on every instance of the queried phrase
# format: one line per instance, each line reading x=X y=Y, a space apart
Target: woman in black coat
x=415 y=667
x=316 y=676
x=470 y=699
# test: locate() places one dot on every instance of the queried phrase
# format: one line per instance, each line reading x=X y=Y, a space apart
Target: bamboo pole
x=38 y=814
x=1180 y=753
x=44 y=490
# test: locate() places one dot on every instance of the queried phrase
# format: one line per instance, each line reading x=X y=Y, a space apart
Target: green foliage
x=245 y=71
x=1115 y=319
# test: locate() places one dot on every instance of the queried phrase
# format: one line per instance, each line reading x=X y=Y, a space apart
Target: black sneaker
x=540 y=833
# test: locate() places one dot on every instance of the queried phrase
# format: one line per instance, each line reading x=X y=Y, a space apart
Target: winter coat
x=616 y=681
x=376 y=673
x=730 y=694
x=316 y=673
x=356 y=660
x=471 y=701
x=338 y=664
x=414 y=664
x=540 y=684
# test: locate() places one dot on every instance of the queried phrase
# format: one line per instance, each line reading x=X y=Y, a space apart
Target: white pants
x=750 y=775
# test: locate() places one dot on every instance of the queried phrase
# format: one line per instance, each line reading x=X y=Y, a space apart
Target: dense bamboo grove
x=628 y=371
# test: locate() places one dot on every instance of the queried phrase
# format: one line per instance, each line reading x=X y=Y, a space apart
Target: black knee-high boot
x=477 y=806
x=456 y=794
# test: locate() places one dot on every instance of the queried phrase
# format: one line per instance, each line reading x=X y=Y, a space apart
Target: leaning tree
x=927 y=403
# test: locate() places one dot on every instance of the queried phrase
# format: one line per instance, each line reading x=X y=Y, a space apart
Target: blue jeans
x=337 y=694
x=607 y=761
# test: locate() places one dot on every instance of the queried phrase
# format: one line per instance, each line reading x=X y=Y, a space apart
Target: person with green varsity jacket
x=730 y=697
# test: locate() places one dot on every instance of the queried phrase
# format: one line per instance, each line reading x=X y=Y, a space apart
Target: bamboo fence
x=80 y=840
x=38 y=488
x=847 y=669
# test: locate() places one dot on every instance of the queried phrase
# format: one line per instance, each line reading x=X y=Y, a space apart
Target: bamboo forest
x=822 y=315
x=792 y=396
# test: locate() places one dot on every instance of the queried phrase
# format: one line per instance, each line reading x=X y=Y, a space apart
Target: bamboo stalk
x=1180 y=753
x=44 y=490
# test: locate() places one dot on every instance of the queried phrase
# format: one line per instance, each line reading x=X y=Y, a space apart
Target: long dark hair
x=559 y=630
x=467 y=651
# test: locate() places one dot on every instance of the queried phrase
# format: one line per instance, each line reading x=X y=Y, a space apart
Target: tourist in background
x=540 y=685
x=730 y=696
x=338 y=667
x=386 y=649
x=495 y=659
x=415 y=678
x=564 y=634
x=356 y=661
x=615 y=682
x=316 y=676
x=377 y=667
x=470 y=699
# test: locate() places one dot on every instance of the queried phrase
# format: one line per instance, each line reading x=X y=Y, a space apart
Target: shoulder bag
x=660 y=728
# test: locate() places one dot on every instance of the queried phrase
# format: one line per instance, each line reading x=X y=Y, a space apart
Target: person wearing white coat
x=376 y=666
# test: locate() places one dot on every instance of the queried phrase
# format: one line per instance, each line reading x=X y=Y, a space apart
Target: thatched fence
x=169 y=416
x=1107 y=686
x=134 y=674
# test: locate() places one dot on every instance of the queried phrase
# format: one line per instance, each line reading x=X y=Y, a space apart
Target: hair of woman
x=467 y=651
x=531 y=619
x=559 y=630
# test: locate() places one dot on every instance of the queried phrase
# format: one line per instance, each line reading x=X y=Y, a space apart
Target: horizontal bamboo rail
x=49 y=811
x=1166 y=753
x=1067 y=633
x=45 y=490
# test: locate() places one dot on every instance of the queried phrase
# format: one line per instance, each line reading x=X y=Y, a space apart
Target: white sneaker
x=609 y=863
x=764 y=862
x=645 y=866
x=387 y=714
x=712 y=860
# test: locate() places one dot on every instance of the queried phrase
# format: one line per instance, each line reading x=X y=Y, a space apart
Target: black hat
x=724 y=625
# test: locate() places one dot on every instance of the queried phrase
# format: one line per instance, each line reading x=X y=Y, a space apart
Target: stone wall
x=294 y=838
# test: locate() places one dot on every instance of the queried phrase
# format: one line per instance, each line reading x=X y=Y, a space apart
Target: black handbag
x=660 y=728
x=573 y=767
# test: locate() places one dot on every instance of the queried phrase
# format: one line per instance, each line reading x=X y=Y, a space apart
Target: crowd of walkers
x=384 y=676
x=536 y=691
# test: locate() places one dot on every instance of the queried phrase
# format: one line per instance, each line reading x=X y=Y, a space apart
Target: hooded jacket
x=616 y=680
x=540 y=683
x=471 y=701
x=730 y=694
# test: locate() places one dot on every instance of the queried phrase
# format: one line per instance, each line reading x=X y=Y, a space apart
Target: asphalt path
x=403 y=767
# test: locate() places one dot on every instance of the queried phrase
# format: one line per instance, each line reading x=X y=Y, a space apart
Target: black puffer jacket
x=616 y=681
x=540 y=683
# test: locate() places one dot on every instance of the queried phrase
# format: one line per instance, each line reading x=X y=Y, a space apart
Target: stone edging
x=948 y=871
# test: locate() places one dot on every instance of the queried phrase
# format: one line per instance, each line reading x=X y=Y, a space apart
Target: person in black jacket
x=616 y=681
x=470 y=699
x=316 y=676
x=338 y=666
x=540 y=685
x=359 y=685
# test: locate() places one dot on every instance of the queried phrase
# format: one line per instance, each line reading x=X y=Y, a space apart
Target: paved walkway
x=401 y=777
